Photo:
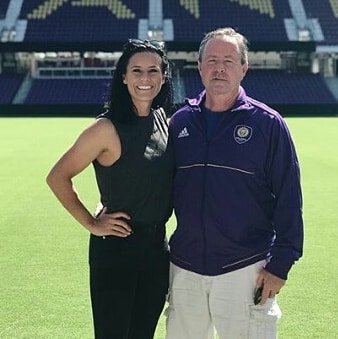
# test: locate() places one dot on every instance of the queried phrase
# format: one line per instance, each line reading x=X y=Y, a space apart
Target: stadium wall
x=259 y=41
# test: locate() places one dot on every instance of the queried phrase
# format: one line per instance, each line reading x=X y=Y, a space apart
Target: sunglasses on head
x=154 y=44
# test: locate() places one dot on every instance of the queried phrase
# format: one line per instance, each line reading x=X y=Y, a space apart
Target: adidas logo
x=184 y=133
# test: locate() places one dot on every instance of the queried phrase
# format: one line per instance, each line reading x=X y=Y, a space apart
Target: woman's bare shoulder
x=105 y=135
x=102 y=126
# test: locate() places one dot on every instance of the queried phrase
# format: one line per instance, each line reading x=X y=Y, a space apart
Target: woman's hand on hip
x=111 y=224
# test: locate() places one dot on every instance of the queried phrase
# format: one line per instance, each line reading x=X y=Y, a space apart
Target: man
x=238 y=204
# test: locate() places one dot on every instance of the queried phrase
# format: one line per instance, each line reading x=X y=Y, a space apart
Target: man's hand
x=271 y=285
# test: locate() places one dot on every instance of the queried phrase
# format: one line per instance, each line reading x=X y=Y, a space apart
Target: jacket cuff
x=280 y=268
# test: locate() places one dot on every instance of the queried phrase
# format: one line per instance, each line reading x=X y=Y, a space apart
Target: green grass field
x=43 y=252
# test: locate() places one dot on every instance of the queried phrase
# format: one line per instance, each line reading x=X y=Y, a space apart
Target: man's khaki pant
x=201 y=306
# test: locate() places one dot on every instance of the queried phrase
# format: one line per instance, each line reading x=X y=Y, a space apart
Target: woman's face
x=144 y=77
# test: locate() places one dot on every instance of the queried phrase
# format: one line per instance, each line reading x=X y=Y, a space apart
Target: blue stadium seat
x=327 y=16
x=274 y=87
x=3 y=8
x=280 y=87
x=73 y=21
x=9 y=85
x=256 y=23
x=67 y=91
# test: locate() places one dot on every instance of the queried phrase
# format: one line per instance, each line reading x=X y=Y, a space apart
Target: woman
x=128 y=146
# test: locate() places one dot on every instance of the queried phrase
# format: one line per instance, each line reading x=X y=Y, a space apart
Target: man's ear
x=245 y=69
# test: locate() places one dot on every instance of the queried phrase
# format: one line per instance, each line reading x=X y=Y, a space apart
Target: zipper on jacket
x=203 y=209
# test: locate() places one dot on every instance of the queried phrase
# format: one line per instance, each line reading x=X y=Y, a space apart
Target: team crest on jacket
x=242 y=134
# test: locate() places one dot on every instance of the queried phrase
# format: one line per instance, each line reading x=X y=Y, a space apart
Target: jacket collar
x=240 y=103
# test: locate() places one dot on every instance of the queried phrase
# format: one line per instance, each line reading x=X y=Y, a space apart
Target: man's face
x=220 y=68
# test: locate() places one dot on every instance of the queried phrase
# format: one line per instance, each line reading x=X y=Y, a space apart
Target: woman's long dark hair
x=120 y=107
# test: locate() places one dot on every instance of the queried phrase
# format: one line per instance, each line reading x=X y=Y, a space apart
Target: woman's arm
x=99 y=141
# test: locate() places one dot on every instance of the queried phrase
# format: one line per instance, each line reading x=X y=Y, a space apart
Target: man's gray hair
x=226 y=32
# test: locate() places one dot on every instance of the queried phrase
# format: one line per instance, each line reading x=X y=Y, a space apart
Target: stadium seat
x=67 y=91
x=274 y=87
x=82 y=21
x=326 y=11
x=258 y=20
x=9 y=85
x=3 y=8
